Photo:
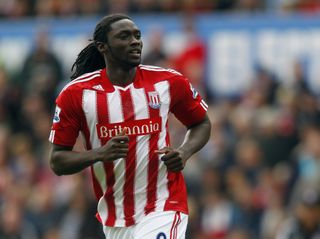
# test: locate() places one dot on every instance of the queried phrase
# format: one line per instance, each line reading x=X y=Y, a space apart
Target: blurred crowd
x=45 y=8
x=258 y=177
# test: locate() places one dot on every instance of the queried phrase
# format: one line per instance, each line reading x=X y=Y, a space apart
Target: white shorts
x=156 y=225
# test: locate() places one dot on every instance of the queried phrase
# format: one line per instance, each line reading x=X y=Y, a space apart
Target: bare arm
x=196 y=137
x=65 y=161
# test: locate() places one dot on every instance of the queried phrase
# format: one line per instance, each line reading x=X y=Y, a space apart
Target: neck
x=121 y=76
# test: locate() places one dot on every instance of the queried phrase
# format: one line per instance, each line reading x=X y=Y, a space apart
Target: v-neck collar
x=106 y=81
x=123 y=88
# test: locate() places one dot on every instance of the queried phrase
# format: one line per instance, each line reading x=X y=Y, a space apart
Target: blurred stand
x=304 y=221
x=247 y=183
x=155 y=54
x=191 y=61
x=41 y=70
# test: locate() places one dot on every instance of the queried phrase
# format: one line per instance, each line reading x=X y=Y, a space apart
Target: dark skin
x=122 y=54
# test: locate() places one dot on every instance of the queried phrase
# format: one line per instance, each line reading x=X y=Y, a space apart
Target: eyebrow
x=127 y=31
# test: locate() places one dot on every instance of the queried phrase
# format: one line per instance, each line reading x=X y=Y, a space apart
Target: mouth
x=135 y=52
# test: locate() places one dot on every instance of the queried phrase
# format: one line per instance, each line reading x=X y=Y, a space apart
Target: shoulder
x=83 y=81
x=159 y=73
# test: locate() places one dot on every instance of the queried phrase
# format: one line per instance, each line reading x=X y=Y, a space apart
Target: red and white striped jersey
x=129 y=188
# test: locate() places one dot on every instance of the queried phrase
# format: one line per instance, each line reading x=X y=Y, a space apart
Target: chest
x=126 y=104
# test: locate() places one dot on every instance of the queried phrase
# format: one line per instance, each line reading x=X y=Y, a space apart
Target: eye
x=123 y=36
x=137 y=35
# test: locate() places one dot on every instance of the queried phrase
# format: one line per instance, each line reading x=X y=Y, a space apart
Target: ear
x=102 y=47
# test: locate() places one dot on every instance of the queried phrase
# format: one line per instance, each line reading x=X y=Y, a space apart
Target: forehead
x=123 y=25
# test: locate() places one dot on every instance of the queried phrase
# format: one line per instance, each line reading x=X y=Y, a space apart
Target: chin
x=134 y=63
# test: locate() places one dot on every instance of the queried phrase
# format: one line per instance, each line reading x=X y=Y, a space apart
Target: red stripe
x=153 y=165
x=176 y=183
x=96 y=186
x=109 y=194
x=173 y=226
x=176 y=228
x=128 y=201
x=102 y=115
x=86 y=132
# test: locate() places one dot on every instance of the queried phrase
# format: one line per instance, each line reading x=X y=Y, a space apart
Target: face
x=124 y=44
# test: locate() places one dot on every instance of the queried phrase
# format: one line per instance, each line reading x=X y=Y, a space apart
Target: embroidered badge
x=194 y=92
x=154 y=100
x=56 y=117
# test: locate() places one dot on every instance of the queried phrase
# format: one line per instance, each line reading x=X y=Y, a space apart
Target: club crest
x=56 y=117
x=154 y=100
x=194 y=92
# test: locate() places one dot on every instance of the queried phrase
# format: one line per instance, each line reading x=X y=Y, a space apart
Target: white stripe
x=154 y=68
x=204 y=103
x=123 y=88
x=151 y=66
x=164 y=93
x=115 y=107
x=80 y=81
x=140 y=105
x=115 y=116
x=89 y=101
x=100 y=175
x=86 y=75
x=51 y=137
x=203 y=106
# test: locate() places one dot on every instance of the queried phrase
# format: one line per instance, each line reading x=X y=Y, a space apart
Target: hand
x=117 y=147
x=172 y=158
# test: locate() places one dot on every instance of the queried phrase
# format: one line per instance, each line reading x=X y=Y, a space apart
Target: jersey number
x=161 y=235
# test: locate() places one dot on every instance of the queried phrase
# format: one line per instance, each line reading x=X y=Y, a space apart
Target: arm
x=65 y=161
x=196 y=137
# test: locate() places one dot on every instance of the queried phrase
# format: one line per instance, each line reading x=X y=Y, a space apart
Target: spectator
x=305 y=222
x=9 y=100
x=191 y=61
x=156 y=55
x=42 y=71
x=305 y=161
x=13 y=224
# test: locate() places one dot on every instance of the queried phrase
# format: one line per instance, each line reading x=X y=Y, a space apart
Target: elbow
x=57 y=160
x=55 y=168
x=208 y=128
x=209 y=131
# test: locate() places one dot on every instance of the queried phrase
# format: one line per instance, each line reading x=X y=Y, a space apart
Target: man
x=305 y=221
x=121 y=109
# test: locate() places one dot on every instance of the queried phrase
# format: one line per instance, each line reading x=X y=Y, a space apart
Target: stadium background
x=257 y=63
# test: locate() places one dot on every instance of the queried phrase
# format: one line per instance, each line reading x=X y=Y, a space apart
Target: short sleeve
x=187 y=105
x=66 y=120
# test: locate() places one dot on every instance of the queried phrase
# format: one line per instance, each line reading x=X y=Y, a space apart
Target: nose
x=135 y=41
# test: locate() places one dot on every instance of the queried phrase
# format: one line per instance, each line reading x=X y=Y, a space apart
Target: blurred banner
x=236 y=45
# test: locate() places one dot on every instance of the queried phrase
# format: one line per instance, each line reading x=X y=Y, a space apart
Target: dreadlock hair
x=90 y=59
